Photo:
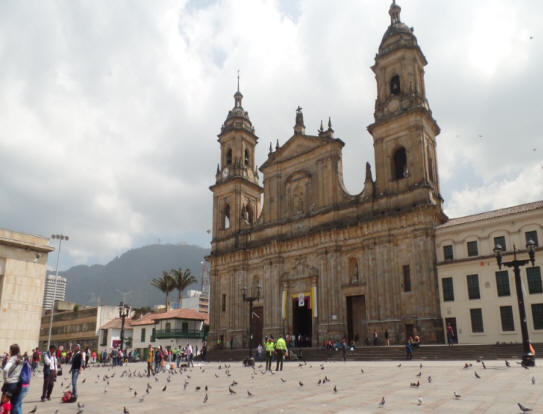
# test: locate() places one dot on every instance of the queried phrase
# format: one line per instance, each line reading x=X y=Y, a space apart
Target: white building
x=110 y=335
x=50 y=295
x=476 y=297
x=170 y=329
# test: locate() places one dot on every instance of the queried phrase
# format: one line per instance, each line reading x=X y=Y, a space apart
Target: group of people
x=18 y=369
x=159 y=357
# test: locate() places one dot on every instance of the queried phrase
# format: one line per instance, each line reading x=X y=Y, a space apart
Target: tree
x=165 y=284
x=182 y=279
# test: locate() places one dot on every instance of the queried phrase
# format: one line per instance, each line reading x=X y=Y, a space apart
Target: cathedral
x=315 y=260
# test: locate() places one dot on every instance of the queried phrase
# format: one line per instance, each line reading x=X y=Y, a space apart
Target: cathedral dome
x=398 y=34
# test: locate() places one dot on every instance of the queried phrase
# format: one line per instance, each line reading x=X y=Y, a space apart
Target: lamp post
x=256 y=296
x=58 y=237
x=124 y=311
x=528 y=359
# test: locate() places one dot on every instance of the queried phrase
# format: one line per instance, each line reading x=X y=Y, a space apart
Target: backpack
x=67 y=397
x=26 y=373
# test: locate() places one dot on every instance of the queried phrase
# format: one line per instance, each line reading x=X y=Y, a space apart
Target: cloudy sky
x=109 y=111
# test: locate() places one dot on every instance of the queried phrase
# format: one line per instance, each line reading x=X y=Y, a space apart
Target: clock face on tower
x=225 y=172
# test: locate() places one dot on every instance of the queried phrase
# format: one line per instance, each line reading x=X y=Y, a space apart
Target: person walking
x=50 y=367
x=204 y=350
x=190 y=355
x=150 y=357
x=12 y=372
x=280 y=349
x=409 y=350
x=158 y=359
x=270 y=348
x=450 y=334
x=344 y=349
x=387 y=340
x=75 y=370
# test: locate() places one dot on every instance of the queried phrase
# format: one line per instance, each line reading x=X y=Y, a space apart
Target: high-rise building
x=50 y=295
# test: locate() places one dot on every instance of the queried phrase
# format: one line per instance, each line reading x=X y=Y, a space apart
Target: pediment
x=294 y=147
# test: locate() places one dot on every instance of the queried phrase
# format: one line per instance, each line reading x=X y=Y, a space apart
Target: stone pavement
x=498 y=390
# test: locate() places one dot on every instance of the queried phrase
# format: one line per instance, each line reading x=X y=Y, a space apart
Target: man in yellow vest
x=280 y=348
x=270 y=348
x=150 y=355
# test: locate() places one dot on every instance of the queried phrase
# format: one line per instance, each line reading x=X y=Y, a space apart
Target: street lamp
x=528 y=359
x=58 y=237
x=255 y=296
x=124 y=312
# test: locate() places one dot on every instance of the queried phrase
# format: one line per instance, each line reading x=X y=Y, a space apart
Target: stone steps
x=380 y=353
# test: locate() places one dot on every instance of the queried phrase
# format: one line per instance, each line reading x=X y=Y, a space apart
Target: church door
x=357 y=327
x=302 y=320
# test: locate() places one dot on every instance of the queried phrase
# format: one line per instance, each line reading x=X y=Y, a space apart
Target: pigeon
x=456 y=396
x=399 y=365
x=283 y=380
x=429 y=379
x=335 y=388
x=533 y=380
x=484 y=366
x=249 y=393
x=420 y=365
x=319 y=383
x=164 y=388
x=216 y=376
x=419 y=401
x=205 y=399
x=80 y=405
x=125 y=410
x=206 y=388
x=382 y=403
x=326 y=379
x=301 y=383
x=476 y=375
x=33 y=410
x=466 y=365
x=523 y=408
x=84 y=380
x=362 y=370
x=135 y=393
x=419 y=374
x=234 y=383
x=507 y=364
x=79 y=411
x=231 y=390
x=197 y=388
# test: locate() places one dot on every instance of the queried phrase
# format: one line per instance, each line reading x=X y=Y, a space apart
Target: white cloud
x=110 y=111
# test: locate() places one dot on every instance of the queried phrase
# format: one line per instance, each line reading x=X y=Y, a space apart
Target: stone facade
x=328 y=263
x=464 y=249
x=23 y=262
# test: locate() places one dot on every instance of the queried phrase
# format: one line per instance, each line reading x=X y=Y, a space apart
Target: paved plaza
x=360 y=387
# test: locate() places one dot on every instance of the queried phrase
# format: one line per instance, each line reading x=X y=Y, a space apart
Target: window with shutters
x=502 y=283
x=476 y=320
x=534 y=279
x=473 y=287
x=448 y=290
x=506 y=313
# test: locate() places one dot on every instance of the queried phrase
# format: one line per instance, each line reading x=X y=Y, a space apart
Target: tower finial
x=238 y=96
x=238 y=80
x=394 y=13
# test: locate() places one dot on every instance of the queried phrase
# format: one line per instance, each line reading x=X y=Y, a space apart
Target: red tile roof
x=487 y=215
x=173 y=314
x=116 y=324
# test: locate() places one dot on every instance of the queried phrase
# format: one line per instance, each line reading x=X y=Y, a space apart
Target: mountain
x=131 y=275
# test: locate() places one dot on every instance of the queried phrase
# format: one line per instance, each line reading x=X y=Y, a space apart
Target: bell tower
x=236 y=192
x=404 y=130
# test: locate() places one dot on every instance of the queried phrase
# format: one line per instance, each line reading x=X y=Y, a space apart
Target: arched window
x=400 y=164
x=247 y=157
x=247 y=213
x=395 y=85
x=229 y=156
x=226 y=222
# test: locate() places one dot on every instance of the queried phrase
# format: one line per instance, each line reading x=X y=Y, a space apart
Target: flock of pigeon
x=137 y=391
